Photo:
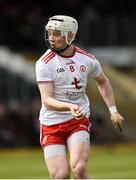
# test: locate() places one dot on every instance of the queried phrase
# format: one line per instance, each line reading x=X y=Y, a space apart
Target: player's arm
x=106 y=92
x=47 y=92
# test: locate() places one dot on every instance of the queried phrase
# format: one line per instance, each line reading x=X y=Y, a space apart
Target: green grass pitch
x=112 y=162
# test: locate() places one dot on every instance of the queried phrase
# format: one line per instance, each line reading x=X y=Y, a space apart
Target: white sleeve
x=95 y=68
x=42 y=72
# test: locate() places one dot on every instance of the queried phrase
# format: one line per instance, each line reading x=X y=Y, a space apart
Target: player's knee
x=79 y=170
x=60 y=174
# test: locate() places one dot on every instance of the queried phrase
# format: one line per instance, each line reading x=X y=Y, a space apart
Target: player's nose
x=51 y=38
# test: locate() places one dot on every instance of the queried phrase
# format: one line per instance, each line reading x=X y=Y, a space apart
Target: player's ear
x=70 y=35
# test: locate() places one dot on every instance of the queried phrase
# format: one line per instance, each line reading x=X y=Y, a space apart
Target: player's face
x=56 y=40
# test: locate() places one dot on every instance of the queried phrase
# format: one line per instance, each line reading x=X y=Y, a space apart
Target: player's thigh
x=79 y=153
x=79 y=147
x=58 y=167
x=56 y=160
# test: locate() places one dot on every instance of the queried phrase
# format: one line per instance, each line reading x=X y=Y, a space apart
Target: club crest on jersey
x=60 y=70
x=82 y=68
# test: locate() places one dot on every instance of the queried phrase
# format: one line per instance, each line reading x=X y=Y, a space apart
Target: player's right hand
x=76 y=112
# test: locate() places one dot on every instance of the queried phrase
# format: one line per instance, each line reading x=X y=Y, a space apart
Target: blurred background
x=107 y=29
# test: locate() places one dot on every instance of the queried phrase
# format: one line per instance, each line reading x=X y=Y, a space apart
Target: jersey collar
x=64 y=56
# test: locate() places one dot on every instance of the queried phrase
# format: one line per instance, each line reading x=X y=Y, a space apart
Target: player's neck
x=69 y=51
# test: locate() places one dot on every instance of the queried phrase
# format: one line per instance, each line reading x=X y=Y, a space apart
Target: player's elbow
x=47 y=103
x=104 y=81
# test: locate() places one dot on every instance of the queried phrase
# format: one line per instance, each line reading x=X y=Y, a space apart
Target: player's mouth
x=52 y=45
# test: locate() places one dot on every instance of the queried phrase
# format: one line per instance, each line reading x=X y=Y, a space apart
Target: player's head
x=66 y=27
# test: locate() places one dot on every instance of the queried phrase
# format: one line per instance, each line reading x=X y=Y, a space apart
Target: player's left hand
x=79 y=115
x=76 y=111
x=117 y=120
